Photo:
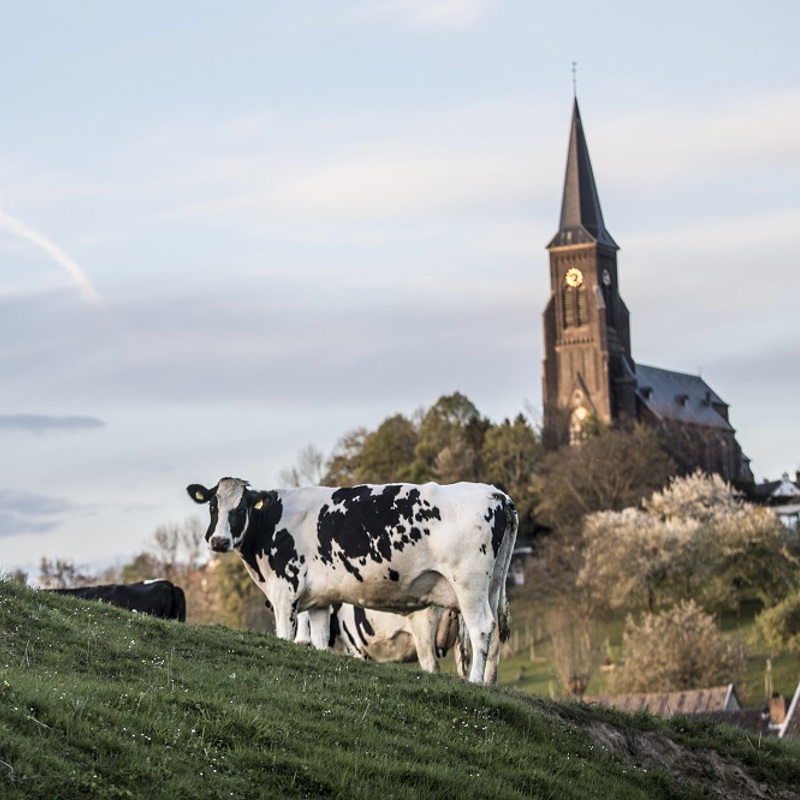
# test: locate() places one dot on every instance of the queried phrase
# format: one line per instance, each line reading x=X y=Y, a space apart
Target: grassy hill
x=97 y=702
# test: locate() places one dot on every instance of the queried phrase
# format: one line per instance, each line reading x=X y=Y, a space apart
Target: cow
x=158 y=598
x=393 y=547
x=424 y=636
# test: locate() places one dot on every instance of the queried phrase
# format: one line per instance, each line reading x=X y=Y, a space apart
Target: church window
x=575 y=302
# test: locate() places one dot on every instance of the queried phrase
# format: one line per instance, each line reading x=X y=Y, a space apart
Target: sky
x=230 y=230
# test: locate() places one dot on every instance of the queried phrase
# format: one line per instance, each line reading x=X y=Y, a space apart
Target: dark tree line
x=452 y=441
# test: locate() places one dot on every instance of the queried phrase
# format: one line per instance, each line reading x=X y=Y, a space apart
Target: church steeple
x=581 y=217
x=588 y=368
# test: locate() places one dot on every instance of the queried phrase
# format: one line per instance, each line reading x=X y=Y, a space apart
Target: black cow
x=159 y=598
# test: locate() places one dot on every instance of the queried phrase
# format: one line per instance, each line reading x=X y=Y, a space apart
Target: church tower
x=588 y=368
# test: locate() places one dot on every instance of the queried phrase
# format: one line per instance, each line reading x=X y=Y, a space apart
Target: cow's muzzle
x=219 y=544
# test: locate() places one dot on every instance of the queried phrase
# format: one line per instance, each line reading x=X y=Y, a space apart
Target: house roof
x=679 y=397
x=668 y=704
x=790 y=729
x=581 y=217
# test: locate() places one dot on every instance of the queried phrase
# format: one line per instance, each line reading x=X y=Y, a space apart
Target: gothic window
x=576 y=310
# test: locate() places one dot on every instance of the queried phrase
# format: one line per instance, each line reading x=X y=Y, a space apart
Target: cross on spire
x=574 y=78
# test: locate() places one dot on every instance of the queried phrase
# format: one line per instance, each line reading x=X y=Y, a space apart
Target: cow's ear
x=262 y=500
x=199 y=493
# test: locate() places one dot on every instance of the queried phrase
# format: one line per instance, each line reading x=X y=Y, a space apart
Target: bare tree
x=178 y=548
x=308 y=471
x=62 y=574
x=575 y=653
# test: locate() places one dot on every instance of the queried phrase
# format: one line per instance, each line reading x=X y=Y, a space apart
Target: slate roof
x=791 y=725
x=668 y=704
x=679 y=397
x=772 y=491
x=581 y=217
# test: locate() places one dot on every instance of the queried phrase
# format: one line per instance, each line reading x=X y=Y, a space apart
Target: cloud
x=76 y=274
x=40 y=423
x=441 y=14
x=26 y=512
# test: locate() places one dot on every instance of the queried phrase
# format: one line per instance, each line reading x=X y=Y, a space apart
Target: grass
x=96 y=702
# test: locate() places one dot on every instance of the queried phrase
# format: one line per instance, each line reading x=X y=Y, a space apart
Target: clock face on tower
x=574 y=277
x=606 y=277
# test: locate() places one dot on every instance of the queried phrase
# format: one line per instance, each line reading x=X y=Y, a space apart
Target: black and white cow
x=424 y=636
x=159 y=598
x=394 y=547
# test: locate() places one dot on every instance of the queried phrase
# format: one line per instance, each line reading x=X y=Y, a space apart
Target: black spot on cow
x=263 y=539
x=360 y=525
x=283 y=558
x=394 y=575
x=501 y=518
x=363 y=626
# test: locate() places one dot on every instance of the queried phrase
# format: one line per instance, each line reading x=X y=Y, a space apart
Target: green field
x=530 y=668
x=98 y=702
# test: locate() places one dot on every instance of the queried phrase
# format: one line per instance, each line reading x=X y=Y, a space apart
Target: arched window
x=575 y=304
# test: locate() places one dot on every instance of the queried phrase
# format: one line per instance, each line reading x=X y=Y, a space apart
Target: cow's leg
x=492 y=658
x=320 y=623
x=285 y=620
x=303 y=635
x=423 y=626
x=481 y=626
x=497 y=602
x=461 y=651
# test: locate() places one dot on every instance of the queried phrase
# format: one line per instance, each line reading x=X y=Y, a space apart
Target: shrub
x=675 y=650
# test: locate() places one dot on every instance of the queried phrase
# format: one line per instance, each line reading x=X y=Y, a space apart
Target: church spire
x=581 y=217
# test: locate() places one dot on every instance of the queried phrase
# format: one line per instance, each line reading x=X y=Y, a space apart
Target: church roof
x=678 y=397
x=581 y=217
x=668 y=704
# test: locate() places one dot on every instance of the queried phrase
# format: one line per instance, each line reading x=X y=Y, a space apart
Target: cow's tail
x=507 y=551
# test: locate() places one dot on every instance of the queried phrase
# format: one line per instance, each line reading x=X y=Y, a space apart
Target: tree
x=237 y=601
x=677 y=650
x=177 y=548
x=142 y=567
x=451 y=430
x=694 y=539
x=308 y=471
x=780 y=625
x=343 y=465
x=62 y=574
x=510 y=454
x=611 y=471
x=631 y=559
x=388 y=452
x=705 y=498
x=751 y=559
x=456 y=462
x=575 y=654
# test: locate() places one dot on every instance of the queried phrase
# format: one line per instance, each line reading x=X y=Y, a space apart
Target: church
x=588 y=369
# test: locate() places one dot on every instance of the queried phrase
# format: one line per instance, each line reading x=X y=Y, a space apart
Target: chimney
x=777 y=709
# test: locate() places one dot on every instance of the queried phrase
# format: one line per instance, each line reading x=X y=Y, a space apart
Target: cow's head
x=231 y=505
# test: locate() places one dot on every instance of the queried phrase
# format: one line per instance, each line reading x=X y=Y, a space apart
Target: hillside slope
x=97 y=702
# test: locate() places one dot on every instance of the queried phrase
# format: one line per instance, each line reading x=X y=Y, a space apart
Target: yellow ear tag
x=259 y=505
x=199 y=496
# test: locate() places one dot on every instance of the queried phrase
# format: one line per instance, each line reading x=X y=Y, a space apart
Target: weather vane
x=575 y=78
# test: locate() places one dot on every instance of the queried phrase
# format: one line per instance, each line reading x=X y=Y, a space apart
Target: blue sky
x=232 y=229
